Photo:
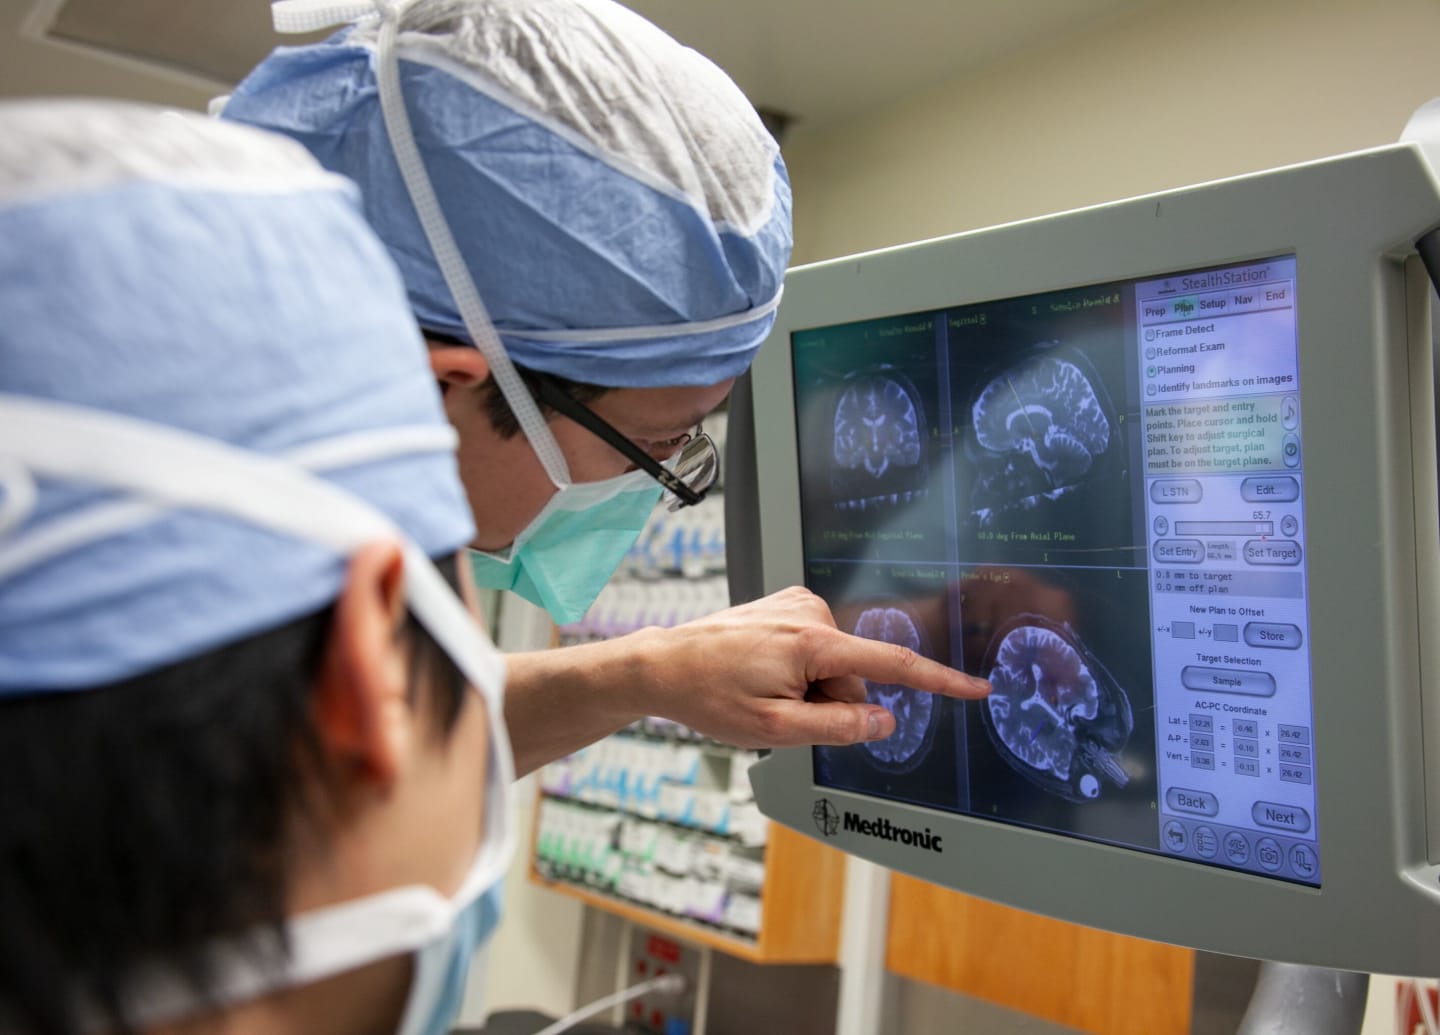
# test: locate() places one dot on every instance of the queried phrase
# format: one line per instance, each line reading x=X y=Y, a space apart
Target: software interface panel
x=1093 y=498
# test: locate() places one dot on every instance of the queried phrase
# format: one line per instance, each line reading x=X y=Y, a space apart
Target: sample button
x=1176 y=490
x=1280 y=489
x=1197 y=803
x=1281 y=817
x=1179 y=551
x=1284 y=553
x=1273 y=634
x=1227 y=681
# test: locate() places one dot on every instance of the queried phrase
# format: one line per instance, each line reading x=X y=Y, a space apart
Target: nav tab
x=1281 y=817
x=1277 y=489
x=1227 y=681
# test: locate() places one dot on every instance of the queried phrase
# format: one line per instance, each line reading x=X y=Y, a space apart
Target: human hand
x=778 y=673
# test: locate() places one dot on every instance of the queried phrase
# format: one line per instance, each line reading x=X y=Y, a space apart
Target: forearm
x=558 y=701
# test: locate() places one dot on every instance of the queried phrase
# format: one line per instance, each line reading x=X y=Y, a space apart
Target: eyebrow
x=646 y=429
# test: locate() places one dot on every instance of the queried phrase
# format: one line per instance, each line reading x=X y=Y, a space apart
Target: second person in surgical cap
x=620 y=209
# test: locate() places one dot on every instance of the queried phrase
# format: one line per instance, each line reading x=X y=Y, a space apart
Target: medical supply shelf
x=800 y=905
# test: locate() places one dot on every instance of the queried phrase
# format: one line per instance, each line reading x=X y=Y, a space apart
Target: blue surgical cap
x=621 y=208
x=215 y=280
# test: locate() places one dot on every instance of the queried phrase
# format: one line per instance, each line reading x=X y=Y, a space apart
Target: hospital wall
x=1166 y=95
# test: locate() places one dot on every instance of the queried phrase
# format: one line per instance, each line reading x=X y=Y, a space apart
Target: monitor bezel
x=1351 y=223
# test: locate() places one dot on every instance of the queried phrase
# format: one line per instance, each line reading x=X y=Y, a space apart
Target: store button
x=1227 y=681
x=1281 y=817
x=1176 y=490
x=1273 y=634
x=1282 y=489
x=1197 y=803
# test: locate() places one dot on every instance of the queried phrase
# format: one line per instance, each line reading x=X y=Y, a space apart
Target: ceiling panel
x=814 y=60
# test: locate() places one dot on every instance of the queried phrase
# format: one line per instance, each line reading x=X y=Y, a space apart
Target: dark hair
x=501 y=417
x=141 y=821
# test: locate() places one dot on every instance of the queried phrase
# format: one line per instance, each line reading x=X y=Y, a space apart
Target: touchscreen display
x=1094 y=499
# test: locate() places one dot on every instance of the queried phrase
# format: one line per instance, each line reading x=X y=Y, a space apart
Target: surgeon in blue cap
x=593 y=226
x=256 y=775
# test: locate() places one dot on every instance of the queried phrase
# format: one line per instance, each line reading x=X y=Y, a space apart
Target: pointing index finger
x=880 y=662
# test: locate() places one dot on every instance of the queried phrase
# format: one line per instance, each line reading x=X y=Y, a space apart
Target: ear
x=361 y=705
x=457 y=366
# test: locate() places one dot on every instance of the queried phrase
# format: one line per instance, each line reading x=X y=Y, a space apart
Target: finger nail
x=983 y=684
x=872 y=726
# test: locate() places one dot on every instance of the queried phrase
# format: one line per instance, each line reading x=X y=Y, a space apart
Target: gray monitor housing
x=1334 y=618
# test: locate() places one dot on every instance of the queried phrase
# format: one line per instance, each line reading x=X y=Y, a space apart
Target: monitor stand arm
x=1295 y=1000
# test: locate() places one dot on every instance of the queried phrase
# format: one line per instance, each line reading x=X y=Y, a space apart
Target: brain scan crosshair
x=1054 y=713
x=914 y=710
x=879 y=452
x=1038 y=428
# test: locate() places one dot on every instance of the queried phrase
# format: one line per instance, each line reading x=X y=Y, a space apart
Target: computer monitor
x=1164 y=472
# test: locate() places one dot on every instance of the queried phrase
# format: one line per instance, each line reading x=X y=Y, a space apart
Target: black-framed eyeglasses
x=696 y=468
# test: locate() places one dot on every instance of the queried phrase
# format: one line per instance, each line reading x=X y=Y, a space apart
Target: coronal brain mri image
x=1038 y=428
x=879 y=454
x=1055 y=715
x=914 y=711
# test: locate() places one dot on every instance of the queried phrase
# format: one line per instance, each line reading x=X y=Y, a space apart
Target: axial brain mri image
x=1039 y=427
x=914 y=710
x=1054 y=713
x=879 y=454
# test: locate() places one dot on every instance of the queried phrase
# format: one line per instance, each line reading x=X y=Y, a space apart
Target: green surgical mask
x=564 y=557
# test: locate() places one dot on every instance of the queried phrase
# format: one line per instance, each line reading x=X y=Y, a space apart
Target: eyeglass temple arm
x=555 y=397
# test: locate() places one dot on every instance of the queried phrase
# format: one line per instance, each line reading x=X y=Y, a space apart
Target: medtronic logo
x=827 y=820
x=887 y=831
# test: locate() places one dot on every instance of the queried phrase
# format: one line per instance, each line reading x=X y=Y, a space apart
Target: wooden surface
x=1088 y=979
x=803 y=900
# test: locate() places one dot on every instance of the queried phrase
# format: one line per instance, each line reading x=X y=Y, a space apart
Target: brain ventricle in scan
x=1054 y=713
x=1039 y=426
x=878 y=453
x=914 y=711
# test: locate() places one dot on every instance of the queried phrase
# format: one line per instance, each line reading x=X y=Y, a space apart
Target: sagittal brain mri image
x=914 y=711
x=879 y=456
x=1055 y=715
x=1039 y=427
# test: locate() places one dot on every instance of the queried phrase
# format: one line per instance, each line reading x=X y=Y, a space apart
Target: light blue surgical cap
x=213 y=279
x=620 y=206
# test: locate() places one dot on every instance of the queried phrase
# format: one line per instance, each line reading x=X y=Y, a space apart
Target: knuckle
x=906 y=658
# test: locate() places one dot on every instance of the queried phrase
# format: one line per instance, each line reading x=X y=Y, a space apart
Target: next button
x=1281 y=817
